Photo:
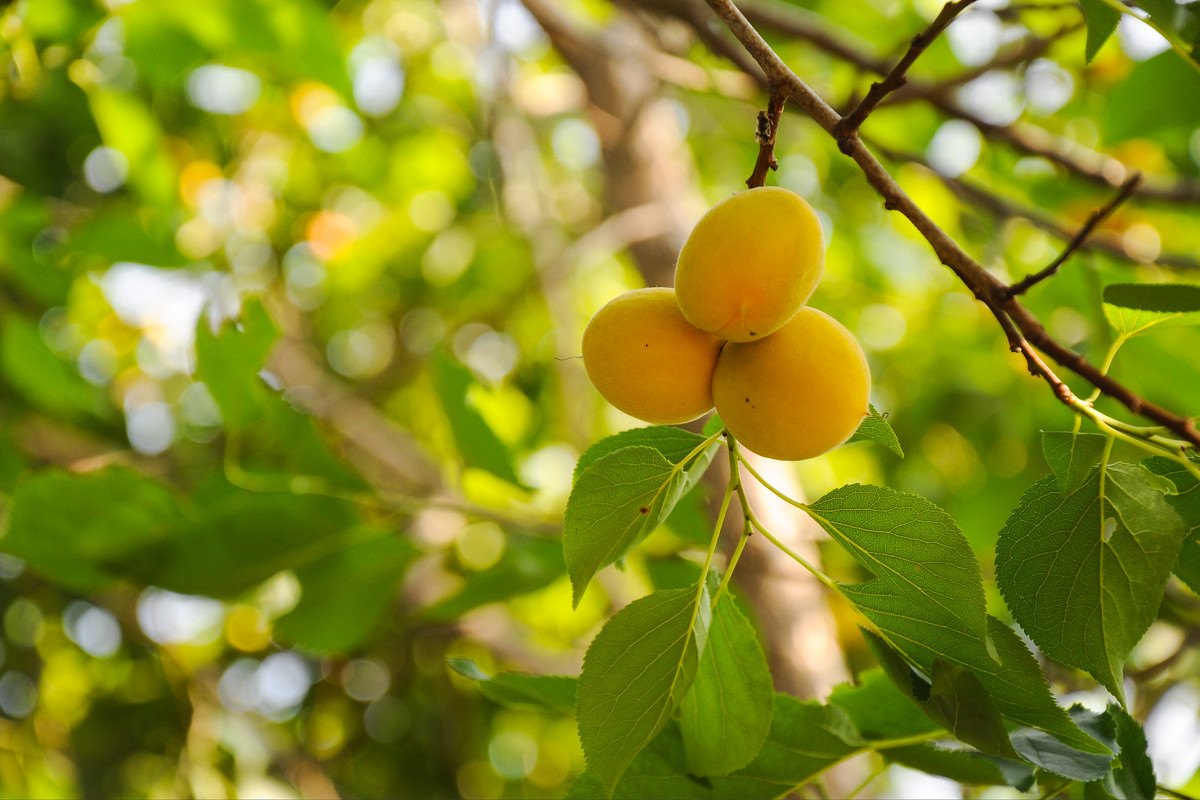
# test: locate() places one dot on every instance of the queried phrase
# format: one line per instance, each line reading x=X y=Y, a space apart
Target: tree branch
x=898 y=75
x=986 y=287
x=796 y=23
x=768 y=126
x=1098 y=216
x=1099 y=241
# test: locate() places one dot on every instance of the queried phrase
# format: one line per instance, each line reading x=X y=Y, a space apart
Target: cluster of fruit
x=789 y=381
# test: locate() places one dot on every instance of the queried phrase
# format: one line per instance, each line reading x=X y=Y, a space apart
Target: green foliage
x=1134 y=308
x=622 y=497
x=1084 y=571
x=345 y=594
x=1072 y=456
x=875 y=428
x=1102 y=22
x=636 y=671
x=1160 y=94
x=726 y=715
x=325 y=441
x=113 y=515
x=552 y=693
x=1186 y=502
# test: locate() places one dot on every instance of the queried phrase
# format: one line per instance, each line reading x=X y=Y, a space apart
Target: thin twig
x=1002 y=207
x=1098 y=216
x=898 y=75
x=799 y=24
x=768 y=126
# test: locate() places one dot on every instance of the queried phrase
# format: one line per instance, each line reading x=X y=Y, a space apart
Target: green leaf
x=477 y=443
x=1186 y=502
x=1083 y=572
x=553 y=693
x=880 y=710
x=616 y=502
x=919 y=557
x=529 y=563
x=926 y=595
x=1166 y=298
x=954 y=698
x=1159 y=94
x=673 y=443
x=1054 y=756
x=70 y=528
x=41 y=377
x=963 y=766
x=726 y=716
x=636 y=671
x=1133 y=777
x=806 y=739
x=875 y=428
x=126 y=123
x=229 y=363
x=1072 y=456
x=1102 y=20
x=346 y=594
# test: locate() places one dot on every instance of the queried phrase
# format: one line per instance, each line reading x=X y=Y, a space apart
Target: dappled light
x=305 y=490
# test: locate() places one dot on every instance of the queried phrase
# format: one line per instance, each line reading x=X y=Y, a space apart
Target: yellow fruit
x=750 y=263
x=645 y=359
x=796 y=393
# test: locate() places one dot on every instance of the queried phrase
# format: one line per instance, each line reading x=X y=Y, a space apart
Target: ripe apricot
x=797 y=393
x=645 y=359
x=750 y=263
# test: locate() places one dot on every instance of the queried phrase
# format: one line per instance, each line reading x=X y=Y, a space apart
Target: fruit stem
x=735 y=462
x=769 y=487
x=733 y=560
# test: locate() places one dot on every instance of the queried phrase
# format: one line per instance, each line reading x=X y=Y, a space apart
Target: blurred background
x=291 y=295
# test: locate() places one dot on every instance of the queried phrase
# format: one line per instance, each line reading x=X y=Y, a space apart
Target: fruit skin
x=645 y=359
x=797 y=393
x=750 y=263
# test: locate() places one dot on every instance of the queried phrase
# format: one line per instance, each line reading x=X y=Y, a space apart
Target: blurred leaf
x=635 y=673
x=234 y=540
x=1072 y=456
x=345 y=594
x=1083 y=572
x=726 y=715
x=70 y=527
x=477 y=443
x=1186 y=503
x=126 y=232
x=552 y=693
x=229 y=363
x=1102 y=22
x=129 y=126
x=529 y=563
x=875 y=428
x=1054 y=756
x=41 y=377
x=1159 y=94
